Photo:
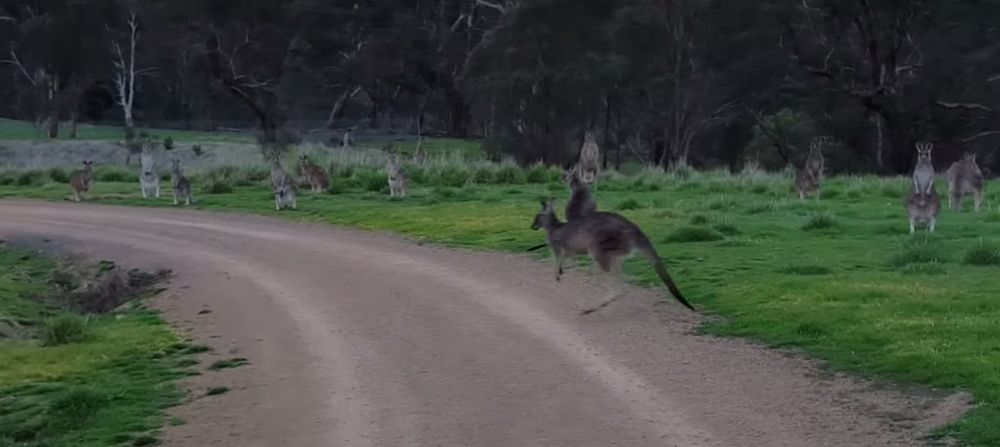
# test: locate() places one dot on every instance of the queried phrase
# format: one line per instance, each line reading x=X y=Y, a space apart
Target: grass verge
x=68 y=380
x=855 y=291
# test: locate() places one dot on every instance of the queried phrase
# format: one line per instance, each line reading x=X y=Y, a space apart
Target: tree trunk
x=52 y=125
x=879 y=143
x=899 y=156
x=458 y=113
x=338 y=105
x=607 y=130
x=74 y=118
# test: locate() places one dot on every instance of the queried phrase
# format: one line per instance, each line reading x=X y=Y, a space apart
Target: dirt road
x=361 y=339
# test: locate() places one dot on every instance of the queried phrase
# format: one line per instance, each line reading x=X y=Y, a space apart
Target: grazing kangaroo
x=397 y=176
x=607 y=238
x=809 y=178
x=80 y=181
x=923 y=208
x=923 y=172
x=149 y=179
x=180 y=184
x=315 y=175
x=285 y=191
x=590 y=159
x=965 y=178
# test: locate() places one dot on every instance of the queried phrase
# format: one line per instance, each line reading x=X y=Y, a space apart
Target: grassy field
x=839 y=279
x=69 y=380
x=25 y=131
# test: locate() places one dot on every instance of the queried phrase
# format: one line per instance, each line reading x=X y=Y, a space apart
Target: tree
x=126 y=74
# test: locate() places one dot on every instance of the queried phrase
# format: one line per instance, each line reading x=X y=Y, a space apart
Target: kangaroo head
x=176 y=164
x=304 y=159
x=924 y=151
x=970 y=157
x=544 y=216
x=87 y=164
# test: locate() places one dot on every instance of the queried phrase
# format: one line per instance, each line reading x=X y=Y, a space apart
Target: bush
x=75 y=407
x=338 y=186
x=8 y=178
x=511 y=175
x=727 y=229
x=217 y=186
x=58 y=175
x=629 y=204
x=699 y=219
x=115 y=175
x=984 y=253
x=483 y=174
x=540 y=173
x=64 y=329
x=694 y=234
x=450 y=175
x=820 y=221
x=197 y=150
x=919 y=249
x=33 y=177
x=370 y=179
x=168 y=144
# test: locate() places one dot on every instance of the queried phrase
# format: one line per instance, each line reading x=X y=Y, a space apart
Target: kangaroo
x=965 y=178
x=809 y=178
x=418 y=156
x=284 y=188
x=397 y=177
x=180 y=184
x=149 y=179
x=607 y=238
x=315 y=175
x=923 y=172
x=80 y=181
x=923 y=208
x=590 y=158
x=581 y=202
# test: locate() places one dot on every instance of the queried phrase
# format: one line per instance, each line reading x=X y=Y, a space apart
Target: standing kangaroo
x=149 y=179
x=590 y=158
x=923 y=172
x=180 y=184
x=923 y=208
x=608 y=239
x=581 y=202
x=809 y=178
x=315 y=175
x=965 y=178
x=80 y=181
x=284 y=188
x=397 y=177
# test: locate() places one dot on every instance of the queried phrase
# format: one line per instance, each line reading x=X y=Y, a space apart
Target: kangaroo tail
x=650 y=253
x=537 y=247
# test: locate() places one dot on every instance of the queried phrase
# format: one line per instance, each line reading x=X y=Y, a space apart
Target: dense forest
x=710 y=83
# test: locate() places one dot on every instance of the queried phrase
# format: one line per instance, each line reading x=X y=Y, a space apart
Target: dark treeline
x=667 y=82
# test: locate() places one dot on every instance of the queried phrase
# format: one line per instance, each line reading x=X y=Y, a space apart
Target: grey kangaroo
x=80 y=181
x=285 y=191
x=923 y=172
x=607 y=238
x=923 y=208
x=149 y=179
x=581 y=203
x=315 y=175
x=590 y=158
x=809 y=178
x=965 y=178
x=180 y=184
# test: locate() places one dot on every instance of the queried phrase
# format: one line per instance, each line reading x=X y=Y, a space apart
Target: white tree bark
x=126 y=73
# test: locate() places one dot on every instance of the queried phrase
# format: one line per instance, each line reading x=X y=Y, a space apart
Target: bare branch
x=501 y=8
x=15 y=61
x=983 y=134
x=959 y=105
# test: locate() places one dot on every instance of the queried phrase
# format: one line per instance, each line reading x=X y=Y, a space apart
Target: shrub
x=197 y=150
x=217 y=186
x=58 y=175
x=8 y=178
x=820 y=221
x=168 y=144
x=64 y=329
x=984 y=253
x=114 y=175
x=629 y=204
x=31 y=178
x=483 y=175
x=540 y=173
x=370 y=179
x=511 y=175
x=75 y=407
x=919 y=249
x=727 y=229
x=694 y=234
x=699 y=219
x=450 y=175
x=338 y=186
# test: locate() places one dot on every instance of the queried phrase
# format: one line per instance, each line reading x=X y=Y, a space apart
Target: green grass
x=25 y=131
x=88 y=383
x=856 y=291
x=228 y=364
